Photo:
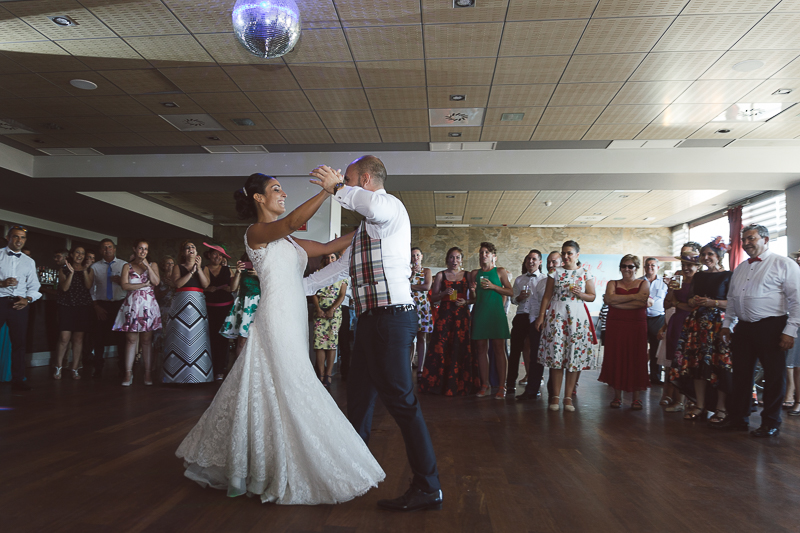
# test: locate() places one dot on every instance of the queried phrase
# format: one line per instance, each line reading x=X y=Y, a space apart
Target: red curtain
x=736 y=254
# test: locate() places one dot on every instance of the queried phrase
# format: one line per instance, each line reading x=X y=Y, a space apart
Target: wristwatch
x=339 y=186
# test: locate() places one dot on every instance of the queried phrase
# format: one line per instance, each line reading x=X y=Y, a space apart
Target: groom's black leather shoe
x=413 y=500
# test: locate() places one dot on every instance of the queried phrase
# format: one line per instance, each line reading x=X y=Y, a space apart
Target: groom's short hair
x=369 y=164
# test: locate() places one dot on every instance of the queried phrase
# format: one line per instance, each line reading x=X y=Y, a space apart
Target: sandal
x=788 y=404
x=719 y=416
x=486 y=390
x=675 y=408
x=666 y=400
x=326 y=381
x=637 y=405
x=568 y=406
x=501 y=393
x=695 y=413
x=554 y=406
x=57 y=373
x=616 y=403
x=795 y=411
x=75 y=374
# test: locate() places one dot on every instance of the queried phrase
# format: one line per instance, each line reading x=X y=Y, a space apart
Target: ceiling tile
x=613 y=132
x=318 y=14
x=477 y=71
x=231 y=102
x=357 y=135
x=347 y=119
x=171 y=50
x=320 y=46
x=392 y=73
x=550 y=9
x=511 y=206
x=436 y=11
x=102 y=54
x=705 y=32
x=737 y=130
x=468 y=134
x=776 y=130
x=529 y=70
x=273 y=76
x=630 y=114
x=398 y=98
x=538 y=38
x=41 y=56
x=419 y=206
x=137 y=18
x=655 y=92
x=226 y=49
x=227 y=120
x=716 y=91
x=792 y=70
x=212 y=138
x=401 y=118
x=579 y=202
x=668 y=131
x=774 y=60
x=559 y=133
x=675 y=65
x=143 y=124
x=626 y=8
x=378 y=12
x=602 y=67
x=200 y=79
x=10 y=67
x=277 y=101
x=480 y=206
x=338 y=99
x=462 y=40
x=294 y=121
x=120 y=139
x=326 y=75
x=13 y=29
x=169 y=138
x=143 y=81
x=56 y=140
x=117 y=105
x=520 y=95
x=203 y=16
x=385 y=43
x=476 y=96
x=449 y=204
x=507 y=133
x=259 y=137
x=710 y=7
x=537 y=211
x=96 y=124
x=35 y=13
x=584 y=93
x=610 y=36
x=690 y=113
x=555 y=115
x=307 y=136
x=494 y=116
x=30 y=85
x=63 y=79
x=763 y=93
x=775 y=30
x=405 y=135
x=154 y=102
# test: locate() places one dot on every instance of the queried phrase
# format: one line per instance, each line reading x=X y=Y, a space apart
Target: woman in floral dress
x=451 y=369
x=568 y=336
x=139 y=315
x=237 y=324
x=328 y=318
x=420 y=285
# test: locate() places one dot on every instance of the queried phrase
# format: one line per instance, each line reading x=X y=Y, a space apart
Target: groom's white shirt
x=387 y=220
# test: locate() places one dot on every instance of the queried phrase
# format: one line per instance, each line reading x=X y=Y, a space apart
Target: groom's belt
x=390 y=309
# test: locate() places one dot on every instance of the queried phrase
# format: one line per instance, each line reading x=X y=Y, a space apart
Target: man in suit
x=764 y=307
x=378 y=262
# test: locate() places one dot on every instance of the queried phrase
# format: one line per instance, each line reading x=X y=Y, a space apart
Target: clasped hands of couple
x=327 y=178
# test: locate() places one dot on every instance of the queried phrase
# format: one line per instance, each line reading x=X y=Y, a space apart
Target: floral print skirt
x=700 y=353
x=567 y=337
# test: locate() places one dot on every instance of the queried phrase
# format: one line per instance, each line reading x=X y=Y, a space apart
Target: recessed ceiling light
x=476 y=218
x=509 y=117
x=623 y=195
x=213 y=138
x=748 y=65
x=548 y=203
x=450 y=196
x=243 y=122
x=169 y=104
x=649 y=218
x=63 y=20
x=458 y=97
x=448 y=213
x=464 y=3
x=454 y=134
x=83 y=84
x=723 y=131
x=782 y=91
x=598 y=213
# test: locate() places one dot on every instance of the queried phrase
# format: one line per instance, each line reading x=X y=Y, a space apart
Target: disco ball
x=267 y=28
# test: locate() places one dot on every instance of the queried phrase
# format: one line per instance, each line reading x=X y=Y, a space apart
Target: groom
x=378 y=263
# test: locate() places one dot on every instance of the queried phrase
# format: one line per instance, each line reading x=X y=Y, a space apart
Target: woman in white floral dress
x=568 y=336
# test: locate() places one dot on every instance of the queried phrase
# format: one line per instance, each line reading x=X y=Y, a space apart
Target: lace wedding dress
x=273 y=430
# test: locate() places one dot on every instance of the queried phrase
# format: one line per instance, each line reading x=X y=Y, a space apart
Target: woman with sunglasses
x=625 y=360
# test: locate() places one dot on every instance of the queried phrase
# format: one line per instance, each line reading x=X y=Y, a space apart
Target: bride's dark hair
x=245 y=205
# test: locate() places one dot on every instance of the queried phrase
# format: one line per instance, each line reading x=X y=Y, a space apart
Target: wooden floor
x=93 y=456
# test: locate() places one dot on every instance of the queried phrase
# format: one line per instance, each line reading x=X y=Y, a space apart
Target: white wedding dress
x=273 y=430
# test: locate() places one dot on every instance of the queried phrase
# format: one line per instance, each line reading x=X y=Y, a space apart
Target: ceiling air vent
x=467 y=116
x=199 y=122
x=238 y=149
x=462 y=147
x=70 y=151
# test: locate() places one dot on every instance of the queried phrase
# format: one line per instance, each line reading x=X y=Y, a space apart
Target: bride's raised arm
x=316 y=249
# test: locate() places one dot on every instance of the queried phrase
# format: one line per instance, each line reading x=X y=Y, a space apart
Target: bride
x=273 y=430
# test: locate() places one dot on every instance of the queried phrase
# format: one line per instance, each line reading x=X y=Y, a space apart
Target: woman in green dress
x=489 y=320
x=237 y=324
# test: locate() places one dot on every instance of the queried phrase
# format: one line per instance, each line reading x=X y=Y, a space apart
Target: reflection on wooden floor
x=91 y=456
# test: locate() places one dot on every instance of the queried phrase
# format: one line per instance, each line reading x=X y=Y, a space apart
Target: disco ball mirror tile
x=267 y=28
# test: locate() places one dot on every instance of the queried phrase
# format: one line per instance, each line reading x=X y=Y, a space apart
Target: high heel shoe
x=130 y=380
x=554 y=406
x=486 y=390
x=501 y=394
x=57 y=373
x=568 y=406
x=148 y=379
x=326 y=381
x=75 y=374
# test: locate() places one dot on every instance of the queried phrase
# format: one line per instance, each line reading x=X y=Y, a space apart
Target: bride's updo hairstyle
x=245 y=205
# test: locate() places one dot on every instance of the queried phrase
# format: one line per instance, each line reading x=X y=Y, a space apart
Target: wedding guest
x=328 y=318
x=625 y=346
x=75 y=309
x=764 y=308
x=792 y=399
x=248 y=289
x=188 y=347
x=536 y=370
x=567 y=341
x=60 y=257
x=219 y=302
x=108 y=296
x=420 y=285
x=523 y=298
x=19 y=286
x=489 y=322
x=165 y=292
x=450 y=368
x=655 y=314
x=701 y=355
x=89 y=260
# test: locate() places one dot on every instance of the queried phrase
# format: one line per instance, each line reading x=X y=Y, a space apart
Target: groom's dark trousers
x=379 y=367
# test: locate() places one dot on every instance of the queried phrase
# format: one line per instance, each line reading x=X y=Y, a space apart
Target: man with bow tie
x=19 y=286
x=764 y=307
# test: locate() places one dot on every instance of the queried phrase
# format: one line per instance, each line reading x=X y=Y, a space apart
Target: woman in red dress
x=625 y=354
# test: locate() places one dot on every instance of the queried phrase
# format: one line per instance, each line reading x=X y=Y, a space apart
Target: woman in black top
x=74 y=308
x=702 y=356
x=219 y=301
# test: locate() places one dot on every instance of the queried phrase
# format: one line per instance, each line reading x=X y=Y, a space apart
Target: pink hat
x=218 y=247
